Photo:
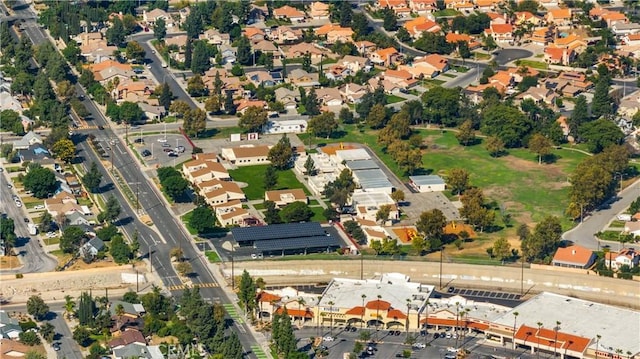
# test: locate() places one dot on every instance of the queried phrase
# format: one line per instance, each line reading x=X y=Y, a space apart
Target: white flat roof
x=356 y=154
x=394 y=288
x=619 y=328
x=372 y=178
x=426 y=180
x=371 y=199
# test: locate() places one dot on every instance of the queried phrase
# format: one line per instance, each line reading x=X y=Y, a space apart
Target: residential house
x=37 y=153
x=127 y=337
x=621 y=28
x=150 y=17
x=29 y=139
x=127 y=309
x=233 y=217
x=254 y=34
x=428 y=66
x=334 y=33
x=285 y=126
x=184 y=13
x=525 y=17
x=77 y=219
x=261 y=77
x=539 y=95
x=246 y=155
x=152 y=113
x=543 y=36
x=393 y=4
x=631 y=39
x=329 y=96
x=365 y=47
x=139 y=351
x=8 y=102
x=319 y=10
x=9 y=327
x=500 y=32
x=549 y=4
x=108 y=69
x=486 y=5
x=90 y=250
x=626 y=256
x=286 y=35
x=97 y=51
x=422 y=6
x=558 y=55
x=216 y=192
x=15 y=349
x=301 y=78
x=267 y=47
x=133 y=91
x=63 y=203
x=289 y=13
x=355 y=63
x=385 y=57
x=572 y=41
x=574 y=256
x=497 y=18
x=454 y=38
x=214 y=37
x=415 y=27
x=243 y=104
x=629 y=105
x=614 y=17
x=352 y=93
x=401 y=78
x=337 y=72
x=289 y=98
x=299 y=50
x=559 y=17
x=286 y=196
x=180 y=41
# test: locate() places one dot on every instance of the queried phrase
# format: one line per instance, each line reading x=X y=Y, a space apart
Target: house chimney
x=573 y=252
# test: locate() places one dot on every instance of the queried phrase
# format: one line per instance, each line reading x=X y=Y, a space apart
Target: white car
x=40 y=206
x=419 y=345
x=452 y=350
x=328 y=339
x=162 y=140
x=18 y=204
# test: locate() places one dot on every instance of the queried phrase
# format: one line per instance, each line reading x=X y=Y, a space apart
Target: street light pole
x=441 y=250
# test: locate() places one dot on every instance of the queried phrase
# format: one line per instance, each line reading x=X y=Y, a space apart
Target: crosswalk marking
x=184 y=286
x=258 y=352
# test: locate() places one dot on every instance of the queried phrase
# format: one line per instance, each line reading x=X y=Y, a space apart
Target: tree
x=346 y=116
x=65 y=150
x=160 y=29
x=602 y=102
x=271 y=214
x=253 y=119
x=195 y=86
x=65 y=90
x=507 y=123
x=540 y=145
x=111 y=211
x=403 y=35
x=46 y=222
x=82 y=336
x=179 y=108
x=163 y=91
x=466 y=134
x=442 y=105
x=281 y=155
x=243 y=54
x=296 y=212
x=37 y=308
x=544 y=241
x=130 y=113
x=40 y=181
x=247 y=292
x=119 y=250
x=501 y=248
x=213 y=104
x=200 y=60
x=579 y=116
x=309 y=166
x=311 y=103
x=458 y=180
x=177 y=253
x=398 y=196
x=135 y=51
x=202 y=219
x=474 y=210
x=495 y=146
x=270 y=178
x=431 y=223
x=116 y=33
x=7 y=233
x=29 y=338
x=383 y=213
x=600 y=134
x=377 y=116
x=195 y=121
x=390 y=21
x=175 y=186
x=92 y=178
x=71 y=239
x=306 y=62
x=184 y=268
x=323 y=125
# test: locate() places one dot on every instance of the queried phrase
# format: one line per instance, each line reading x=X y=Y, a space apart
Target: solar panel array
x=277 y=231
x=297 y=243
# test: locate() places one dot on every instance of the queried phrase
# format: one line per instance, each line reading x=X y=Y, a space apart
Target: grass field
x=212 y=256
x=531 y=63
x=394 y=99
x=186 y=218
x=253 y=176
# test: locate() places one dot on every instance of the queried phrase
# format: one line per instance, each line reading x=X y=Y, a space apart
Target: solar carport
x=291 y=238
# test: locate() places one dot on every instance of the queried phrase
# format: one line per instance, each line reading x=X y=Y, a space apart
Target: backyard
x=253 y=177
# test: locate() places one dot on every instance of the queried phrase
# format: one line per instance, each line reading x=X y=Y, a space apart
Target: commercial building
x=427 y=183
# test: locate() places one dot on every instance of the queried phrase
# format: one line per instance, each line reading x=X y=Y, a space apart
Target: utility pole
x=441 y=250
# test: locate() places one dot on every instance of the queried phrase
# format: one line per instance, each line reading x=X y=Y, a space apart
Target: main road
x=168 y=233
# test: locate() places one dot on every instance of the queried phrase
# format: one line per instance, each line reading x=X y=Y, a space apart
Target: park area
x=253 y=177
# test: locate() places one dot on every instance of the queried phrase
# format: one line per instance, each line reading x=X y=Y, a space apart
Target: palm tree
x=406 y=327
x=555 y=340
x=465 y=316
x=515 y=319
x=378 y=316
x=598 y=336
x=538 y=338
x=69 y=305
x=331 y=303
x=363 y=309
x=301 y=302
x=455 y=331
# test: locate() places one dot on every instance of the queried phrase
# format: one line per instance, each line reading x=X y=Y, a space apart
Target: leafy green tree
x=116 y=33
x=111 y=211
x=383 y=213
x=495 y=146
x=134 y=51
x=130 y=113
x=71 y=239
x=107 y=232
x=37 y=308
x=403 y=35
x=310 y=166
x=442 y=105
x=579 y=116
x=165 y=96
x=271 y=214
x=46 y=222
x=431 y=223
x=544 y=241
x=540 y=145
x=281 y=155
x=195 y=121
x=501 y=248
x=195 y=86
x=311 y=103
x=474 y=209
x=458 y=180
x=339 y=190
x=119 y=250
x=202 y=219
x=466 y=133
x=82 y=336
x=48 y=331
x=323 y=124
x=200 y=60
x=29 y=338
x=602 y=102
x=253 y=119
x=65 y=150
x=247 y=292
x=377 y=116
x=175 y=186
x=390 y=20
x=346 y=116
x=179 y=108
x=86 y=309
x=160 y=29
x=243 y=54
x=270 y=178
x=7 y=233
x=600 y=134
x=40 y=181
x=296 y=212
x=507 y=123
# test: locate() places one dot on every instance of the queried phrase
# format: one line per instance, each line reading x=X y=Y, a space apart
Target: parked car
x=100 y=127
x=172 y=154
x=26 y=220
x=139 y=140
x=56 y=346
x=40 y=206
x=165 y=144
x=419 y=345
x=328 y=338
x=167 y=150
x=452 y=350
x=146 y=153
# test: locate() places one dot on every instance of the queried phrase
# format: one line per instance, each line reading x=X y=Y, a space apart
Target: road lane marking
x=184 y=286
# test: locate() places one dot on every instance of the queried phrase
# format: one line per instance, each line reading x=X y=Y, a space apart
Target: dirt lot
x=8 y=262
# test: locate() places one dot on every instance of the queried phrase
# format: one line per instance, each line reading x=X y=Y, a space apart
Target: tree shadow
x=124 y=221
x=106 y=188
x=208 y=133
x=422 y=171
x=51 y=316
x=550 y=158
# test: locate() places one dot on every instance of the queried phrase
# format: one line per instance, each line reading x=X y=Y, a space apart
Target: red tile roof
x=267 y=297
x=573 y=254
x=548 y=337
x=396 y=314
x=356 y=311
x=378 y=305
x=306 y=313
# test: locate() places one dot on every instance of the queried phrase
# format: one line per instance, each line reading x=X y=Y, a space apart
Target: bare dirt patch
x=551 y=171
x=9 y=262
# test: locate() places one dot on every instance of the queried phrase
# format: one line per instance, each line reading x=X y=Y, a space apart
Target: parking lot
x=160 y=150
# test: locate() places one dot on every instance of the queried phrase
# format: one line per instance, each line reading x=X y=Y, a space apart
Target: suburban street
x=28 y=248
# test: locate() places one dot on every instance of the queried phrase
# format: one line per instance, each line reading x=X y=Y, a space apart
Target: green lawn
x=446 y=12
x=317 y=214
x=185 y=219
x=531 y=63
x=253 y=176
x=212 y=256
x=461 y=69
x=481 y=55
x=394 y=99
